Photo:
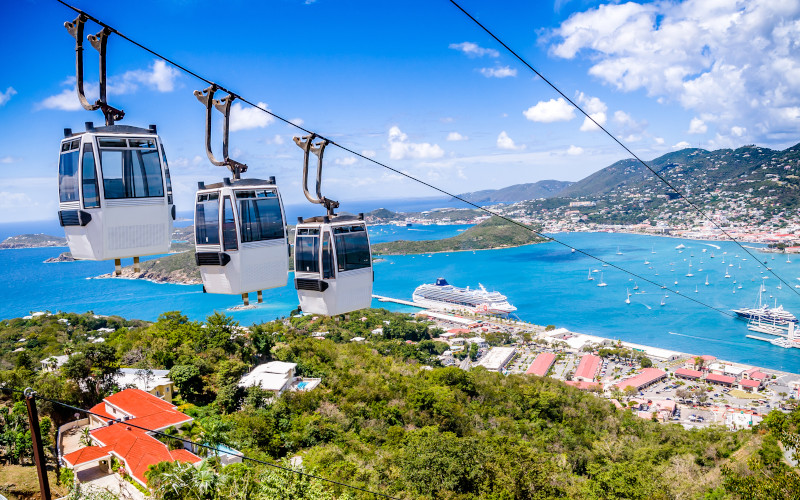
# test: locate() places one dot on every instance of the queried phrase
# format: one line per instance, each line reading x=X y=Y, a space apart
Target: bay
x=547 y=282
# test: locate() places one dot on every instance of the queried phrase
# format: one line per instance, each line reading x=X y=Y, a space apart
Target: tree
x=188 y=381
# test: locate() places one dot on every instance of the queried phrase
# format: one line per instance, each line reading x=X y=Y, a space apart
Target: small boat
x=706 y=280
x=602 y=283
x=628 y=299
x=664 y=300
x=591 y=278
x=787 y=259
x=618 y=252
x=647 y=262
x=740 y=286
x=676 y=282
x=635 y=286
x=726 y=274
x=573 y=250
x=712 y=255
x=681 y=246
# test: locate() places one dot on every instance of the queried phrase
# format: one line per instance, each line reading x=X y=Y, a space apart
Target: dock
x=397 y=301
x=785 y=342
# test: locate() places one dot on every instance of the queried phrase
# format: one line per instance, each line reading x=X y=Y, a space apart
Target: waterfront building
x=587 y=368
x=542 y=364
x=749 y=385
x=645 y=378
x=699 y=362
x=688 y=374
x=723 y=380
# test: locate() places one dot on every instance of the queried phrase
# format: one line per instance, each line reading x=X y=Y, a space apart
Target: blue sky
x=413 y=84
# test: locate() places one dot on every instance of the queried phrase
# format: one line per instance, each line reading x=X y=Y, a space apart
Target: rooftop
x=541 y=364
x=646 y=377
x=587 y=368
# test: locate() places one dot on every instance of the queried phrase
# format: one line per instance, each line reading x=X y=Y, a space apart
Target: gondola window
x=352 y=247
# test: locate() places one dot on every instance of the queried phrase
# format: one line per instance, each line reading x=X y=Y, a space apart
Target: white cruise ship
x=443 y=295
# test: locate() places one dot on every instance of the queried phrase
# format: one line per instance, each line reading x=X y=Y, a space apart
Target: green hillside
x=491 y=233
x=517 y=192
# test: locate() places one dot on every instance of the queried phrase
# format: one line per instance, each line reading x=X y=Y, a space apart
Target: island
x=493 y=233
x=176 y=268
x=33 y=241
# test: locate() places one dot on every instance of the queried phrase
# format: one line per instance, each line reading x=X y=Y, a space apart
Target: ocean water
x=546 y=282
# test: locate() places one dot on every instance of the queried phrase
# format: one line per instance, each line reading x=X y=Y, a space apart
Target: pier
x=397 y=301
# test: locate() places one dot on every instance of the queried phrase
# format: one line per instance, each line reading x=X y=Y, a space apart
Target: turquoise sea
x=546 y=282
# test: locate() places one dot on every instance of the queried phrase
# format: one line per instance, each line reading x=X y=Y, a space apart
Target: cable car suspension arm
x=306 y=143
x=206 y=97
x=99 y=42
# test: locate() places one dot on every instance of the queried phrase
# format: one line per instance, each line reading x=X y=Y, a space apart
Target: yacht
x=443 y=295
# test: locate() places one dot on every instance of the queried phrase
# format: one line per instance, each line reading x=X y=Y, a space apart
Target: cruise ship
x=443 y=295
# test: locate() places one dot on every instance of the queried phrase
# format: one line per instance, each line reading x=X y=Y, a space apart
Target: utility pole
x=36 y=438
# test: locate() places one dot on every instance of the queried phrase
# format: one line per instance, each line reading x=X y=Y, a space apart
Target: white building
x=156 y=382
x=275 y=376
x=497 y=358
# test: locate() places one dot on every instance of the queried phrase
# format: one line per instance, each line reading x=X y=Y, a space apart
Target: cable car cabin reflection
x=240 y=236
x=115 y=194
x=333 y=265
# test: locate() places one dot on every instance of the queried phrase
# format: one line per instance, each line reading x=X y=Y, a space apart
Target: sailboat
x=689 y=274
x=734 y=279
x=602 y=283
x=726 y=274
x=706 y=280
x=646 y=262
x=787 y=259
x=591 y=278
x=635 y=286
x=696 y=290
x=723 y=259
x=618 y=252
x=734 y=288
x=664 y=300
x=653 y=250
x=628 y=299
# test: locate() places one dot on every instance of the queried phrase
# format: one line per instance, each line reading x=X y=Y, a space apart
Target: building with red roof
x=688 y=374
x=645 y=378
x=725 y=380
x=118 y=430
x=587 y=368
x=755 y=374
x=584 y=386
x=541 y=365
x=749 y=385
x=697 y=362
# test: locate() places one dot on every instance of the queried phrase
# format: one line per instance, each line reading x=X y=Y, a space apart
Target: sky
x=414 y=84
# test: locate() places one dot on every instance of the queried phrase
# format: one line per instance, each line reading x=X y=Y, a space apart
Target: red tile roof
x=100 y=409
x=685 y=372
x=541 y=364
x=756 y=374
x=646 y=377
x=582 y=385
x=86 y=455
x=750 y=383
x=137 y=449
x=720 y=379
x=587 y=368
x=708 y=357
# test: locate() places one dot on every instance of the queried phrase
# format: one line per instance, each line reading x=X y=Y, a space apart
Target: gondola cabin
x=333 y=264
x=115 y=194
x=240 y=236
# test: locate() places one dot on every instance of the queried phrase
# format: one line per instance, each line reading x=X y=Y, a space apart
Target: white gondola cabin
x=333 y=264
x=115 y=194
x=240 y=237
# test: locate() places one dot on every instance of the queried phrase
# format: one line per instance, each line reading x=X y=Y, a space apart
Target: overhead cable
x=395 y=170
x=621 y=144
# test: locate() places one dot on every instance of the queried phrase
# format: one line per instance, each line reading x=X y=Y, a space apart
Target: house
x=156 y=382
x=118 y=430
x=53 y=363
x=699 y=362
x=723 y=380
x=275 y=376
x=749 y=385
x=755 y=374
x=479 y=341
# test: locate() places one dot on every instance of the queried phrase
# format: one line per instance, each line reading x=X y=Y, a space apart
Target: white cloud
x=400 y=148
x=297 y=121
x=7 y=95
x=368 y=153
x=697 y=126
x=738 y=131
x=590 y=126
x=276 y=139
x=158 y=77
x=574 y=150
x=474 y=50
x=350 y=160
x=554 y=110
x=732 y=62
x=243 y=118
x=67 y=100
x=499 y=72
x=658 y=140
x=7 y=160
x=506 y=142
x=14 y=200
x=455 y=136
x=681 y=145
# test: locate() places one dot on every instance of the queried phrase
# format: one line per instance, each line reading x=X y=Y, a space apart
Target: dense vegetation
x=517 y=192
x=491 y=233
x=386 y=417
